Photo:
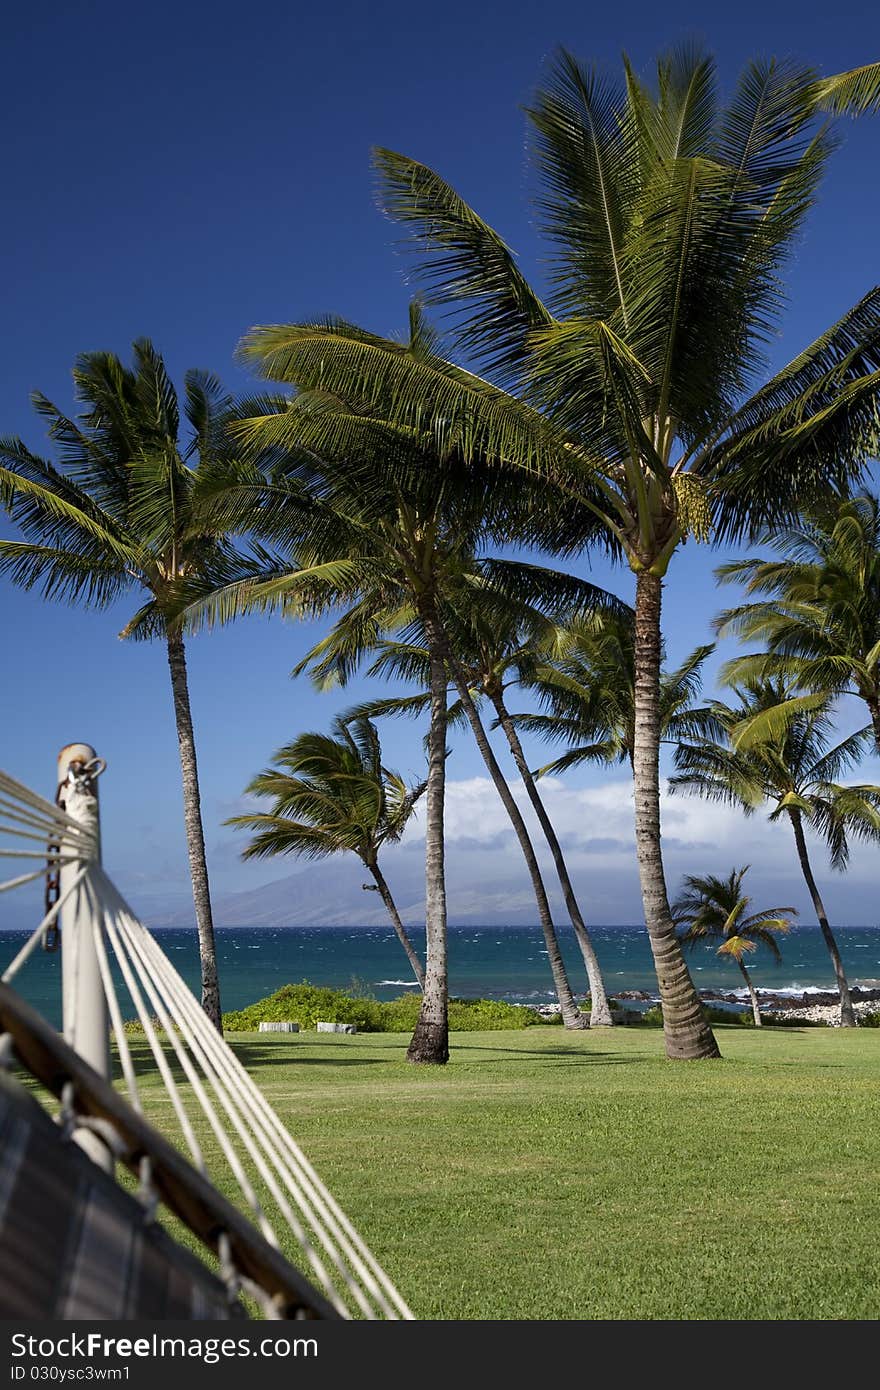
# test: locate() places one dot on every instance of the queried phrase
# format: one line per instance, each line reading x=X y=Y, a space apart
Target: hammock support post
x=85 y=1016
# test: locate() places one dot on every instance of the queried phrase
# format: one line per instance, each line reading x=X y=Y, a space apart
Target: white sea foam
x=409 y=984
x=792 y=989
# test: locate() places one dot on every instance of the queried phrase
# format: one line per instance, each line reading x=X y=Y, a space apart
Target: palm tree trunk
x=430 y=1041
x=847 y=1012
x=397 y=924
x=600 y=1012
x=571 y=1014
x=686 y=1032
x=195 y=835
x=753 y=995
x=874 y=709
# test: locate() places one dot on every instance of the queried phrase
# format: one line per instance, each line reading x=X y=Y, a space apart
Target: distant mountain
x=329 y=895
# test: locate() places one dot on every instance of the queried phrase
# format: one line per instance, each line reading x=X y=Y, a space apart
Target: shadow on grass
x=256 y=1057
x=580 y=1059
x=482 y=1055
x=252 y=1057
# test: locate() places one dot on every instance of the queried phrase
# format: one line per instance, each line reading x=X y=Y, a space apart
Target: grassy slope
x=550 y=1175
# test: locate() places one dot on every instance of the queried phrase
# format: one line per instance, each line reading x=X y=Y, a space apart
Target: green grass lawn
x=552 y=1175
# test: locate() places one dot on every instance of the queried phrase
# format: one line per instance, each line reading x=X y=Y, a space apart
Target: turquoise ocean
x=485 y=962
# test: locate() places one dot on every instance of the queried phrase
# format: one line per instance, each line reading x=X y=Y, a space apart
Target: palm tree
x=631 y=392
x=331 y=793
x=372 y=527
x=336 y=655
x=819 y=616
x=716 y=909
x=797 y=772
x=115 y=516
x=587 y=689
x=494 y=638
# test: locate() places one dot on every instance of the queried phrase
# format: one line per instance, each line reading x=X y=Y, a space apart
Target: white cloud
x=595 y=826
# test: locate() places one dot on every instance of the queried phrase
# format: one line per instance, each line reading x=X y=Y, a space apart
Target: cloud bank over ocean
x=487 y=880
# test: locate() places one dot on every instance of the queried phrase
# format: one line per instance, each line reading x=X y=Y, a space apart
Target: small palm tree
x=819 y=618
x=332 y=794
x=716 y=909
x=796 y=771
x=116 y=516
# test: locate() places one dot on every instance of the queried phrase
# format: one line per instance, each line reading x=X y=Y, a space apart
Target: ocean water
x=489 y=962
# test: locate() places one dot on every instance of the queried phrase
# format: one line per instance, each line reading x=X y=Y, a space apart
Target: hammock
x=74 y=1244
x=256 y=1148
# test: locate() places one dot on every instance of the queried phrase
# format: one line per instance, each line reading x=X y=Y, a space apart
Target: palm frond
x=465 y=265
x=849 y=93
x=63 y=574
x=769 y=725
x=589 y=170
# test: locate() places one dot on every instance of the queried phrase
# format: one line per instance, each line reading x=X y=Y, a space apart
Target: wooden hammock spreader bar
x=185 y=1192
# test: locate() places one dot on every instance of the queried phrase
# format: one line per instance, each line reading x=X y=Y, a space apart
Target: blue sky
x=185 y=171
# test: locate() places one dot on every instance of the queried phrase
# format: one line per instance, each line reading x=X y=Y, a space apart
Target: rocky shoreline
x=813 y=1006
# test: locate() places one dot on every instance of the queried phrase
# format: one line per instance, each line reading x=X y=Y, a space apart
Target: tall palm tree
x=632 y=390
x=796 y=771
x=115 y=516
x=716 y=909
x=587 y=689
x=383 y=564
x=819 y=618
x=494 y=638
x=331 y=793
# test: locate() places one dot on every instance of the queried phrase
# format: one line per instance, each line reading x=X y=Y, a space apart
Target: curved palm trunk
x=571 y=1014
x=430 y=1041
x=753 y=994
x=195 y=835
x=397 y=924
x=600 y=1011
x=686 y=1032
x=847 y=1012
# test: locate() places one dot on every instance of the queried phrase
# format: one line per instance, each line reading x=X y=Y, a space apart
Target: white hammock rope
x=36 y=936
x=252 y=1140
x=22 y=878
x=35 y=854
x=19 y=803
x=150 y=1033
x=241 y=1099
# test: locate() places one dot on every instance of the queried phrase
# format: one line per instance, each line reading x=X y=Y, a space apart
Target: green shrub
x=306 y=1003
x=479 y=1015
x=742 y=1020
x=870 y=1020
x=785 y=1021
x=399 y=1015
x=653 y=1017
